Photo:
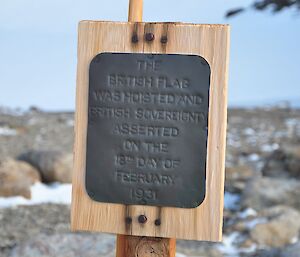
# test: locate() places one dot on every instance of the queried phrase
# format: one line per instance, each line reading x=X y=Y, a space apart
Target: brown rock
x=236 y=177
x=281 y=227
x=283 y=163
x=240 y=172
x=240 y=227
x=63 y=168
x=16 y=178
x=248 y=243
x=54 y=166
x=275 y=165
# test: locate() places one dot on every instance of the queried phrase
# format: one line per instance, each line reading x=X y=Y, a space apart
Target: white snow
x=231 y=201
x=227 y=247
x=293 y=126
x=253 y=157
x=180 y=255
x=6 y=131
x=291 y=122
x=32 y=121
x=70 y=122
x=269 y=148
x=294 y=240
x=249 y=131
x=246 y=213
x=41 y=193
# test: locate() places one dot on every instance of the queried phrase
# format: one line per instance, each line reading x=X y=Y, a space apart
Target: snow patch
x=249 y=131
x=6 y=131
x=41 y=193
x=227 y=246
x=229 y=249
x=253 y=157
x=294 y=240
x=32 y=121
x=180 y=255
x=291 y=122
x=269 y=148
x=70 y=122
x=247 y=213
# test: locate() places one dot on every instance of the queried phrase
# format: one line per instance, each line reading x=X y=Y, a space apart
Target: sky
x=38 y=43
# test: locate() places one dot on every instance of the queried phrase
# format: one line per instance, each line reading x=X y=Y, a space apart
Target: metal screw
x=164 y=39
x=142 y=219
x=157 y=222
x=149 y=36
x=135 y=38
x=128 y=220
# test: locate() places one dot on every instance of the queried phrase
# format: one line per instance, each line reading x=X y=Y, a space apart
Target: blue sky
x=38 y=47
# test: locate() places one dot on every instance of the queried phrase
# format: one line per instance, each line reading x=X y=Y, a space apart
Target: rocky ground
x=262 y=200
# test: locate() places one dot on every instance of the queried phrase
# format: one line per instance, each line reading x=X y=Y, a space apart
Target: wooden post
x=132 y=246
x=135 y=12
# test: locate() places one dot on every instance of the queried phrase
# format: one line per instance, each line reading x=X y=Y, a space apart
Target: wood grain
x=208 y=41
x=133 y=246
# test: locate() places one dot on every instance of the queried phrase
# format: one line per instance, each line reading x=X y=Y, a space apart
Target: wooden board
x=208 y=41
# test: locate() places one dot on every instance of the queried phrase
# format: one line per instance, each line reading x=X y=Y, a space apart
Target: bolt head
x=157 y=222
x=135 y=38
x=128 y=220
x=142 y=219
x=164 y=39
x=149 y=37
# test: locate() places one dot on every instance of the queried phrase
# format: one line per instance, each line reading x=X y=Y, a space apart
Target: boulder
x=54 y=166
x=275 y=165
x=283 y=163
x=265 y=192
x=280 y=228
x=236 y=177
x=16 y=178
x=239 y=172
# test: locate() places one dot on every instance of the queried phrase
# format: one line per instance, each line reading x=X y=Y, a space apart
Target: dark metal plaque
x=147 y=129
